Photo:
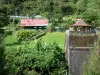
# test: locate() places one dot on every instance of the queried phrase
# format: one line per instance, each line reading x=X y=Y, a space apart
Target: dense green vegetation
x=36 y=57
x=3 y=22
x=59 y=12
x=23 y=35
x=43 y=59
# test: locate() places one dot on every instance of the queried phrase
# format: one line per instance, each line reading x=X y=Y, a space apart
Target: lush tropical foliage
x=23 y=35
x=43 y=59
x=56 y=10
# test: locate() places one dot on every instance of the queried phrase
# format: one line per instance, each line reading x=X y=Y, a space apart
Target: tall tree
x=92 y=13
x=3 y=22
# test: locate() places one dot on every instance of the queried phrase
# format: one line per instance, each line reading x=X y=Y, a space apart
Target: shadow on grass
x=14 y=44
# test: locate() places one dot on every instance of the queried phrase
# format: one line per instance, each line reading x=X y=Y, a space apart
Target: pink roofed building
x=33 y=23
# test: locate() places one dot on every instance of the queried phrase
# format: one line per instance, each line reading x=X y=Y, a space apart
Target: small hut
x=80 y=25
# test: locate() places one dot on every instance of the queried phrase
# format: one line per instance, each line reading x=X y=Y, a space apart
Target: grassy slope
x=58 y=37
x=10 y=39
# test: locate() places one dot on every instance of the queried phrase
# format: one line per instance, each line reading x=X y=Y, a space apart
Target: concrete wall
x=77 y=51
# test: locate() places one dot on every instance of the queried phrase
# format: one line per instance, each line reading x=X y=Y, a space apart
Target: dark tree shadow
x=14 y=44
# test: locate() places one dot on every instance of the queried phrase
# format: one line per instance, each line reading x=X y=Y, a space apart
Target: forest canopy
x=56 y=10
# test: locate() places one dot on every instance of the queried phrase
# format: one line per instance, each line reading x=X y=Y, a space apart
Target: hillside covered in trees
x=59 y=12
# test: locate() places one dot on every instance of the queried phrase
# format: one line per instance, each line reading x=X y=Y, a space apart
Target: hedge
x=40 y=34
x=25 y=34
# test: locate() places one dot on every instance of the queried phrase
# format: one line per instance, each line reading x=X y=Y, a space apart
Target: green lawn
x=58 y=37
x=10 y=39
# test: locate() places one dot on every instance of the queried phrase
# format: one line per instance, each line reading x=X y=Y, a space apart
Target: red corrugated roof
x=33 y=22
x=80 y=22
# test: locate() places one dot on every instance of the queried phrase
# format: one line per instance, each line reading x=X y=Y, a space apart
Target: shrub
x=25 y=34
x=93 y=67
x=16 y=21
x=40 y=34
x=43 y=59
